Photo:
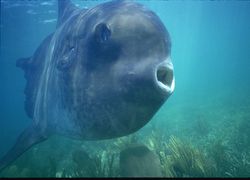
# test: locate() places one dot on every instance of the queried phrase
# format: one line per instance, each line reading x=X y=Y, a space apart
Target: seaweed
x=179 y=159
x=219 y=152
x=123 y=142
x=186 y=160
x=104 y=163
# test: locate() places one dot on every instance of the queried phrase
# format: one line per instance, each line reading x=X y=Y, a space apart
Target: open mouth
x=165 y=76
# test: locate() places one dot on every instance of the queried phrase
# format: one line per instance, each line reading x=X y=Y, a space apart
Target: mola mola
x=102 y=74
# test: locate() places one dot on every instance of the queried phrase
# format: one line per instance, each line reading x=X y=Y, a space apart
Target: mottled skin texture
x=110 y=88
x=102 y=74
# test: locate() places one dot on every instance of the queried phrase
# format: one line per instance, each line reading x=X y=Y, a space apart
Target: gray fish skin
x=102 y=74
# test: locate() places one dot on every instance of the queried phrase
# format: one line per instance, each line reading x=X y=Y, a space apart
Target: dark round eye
x=102 y=33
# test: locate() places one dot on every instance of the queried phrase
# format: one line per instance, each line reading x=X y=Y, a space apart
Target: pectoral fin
x=29 y=137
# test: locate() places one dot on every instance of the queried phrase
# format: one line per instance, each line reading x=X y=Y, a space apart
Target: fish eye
x=102 y=33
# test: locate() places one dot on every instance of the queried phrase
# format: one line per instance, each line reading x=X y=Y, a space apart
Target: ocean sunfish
x=102 y=74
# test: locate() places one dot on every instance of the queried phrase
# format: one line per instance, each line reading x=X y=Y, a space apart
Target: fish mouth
x=164 y=75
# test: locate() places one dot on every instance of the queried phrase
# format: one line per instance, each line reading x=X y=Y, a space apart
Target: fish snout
x=164 y=77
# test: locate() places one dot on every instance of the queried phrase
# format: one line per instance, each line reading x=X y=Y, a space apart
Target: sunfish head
x=122 y=72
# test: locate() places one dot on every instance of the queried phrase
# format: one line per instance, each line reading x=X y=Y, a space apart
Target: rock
x=138 y=161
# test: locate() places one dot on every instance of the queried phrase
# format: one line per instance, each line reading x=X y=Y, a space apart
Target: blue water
x=211 y=102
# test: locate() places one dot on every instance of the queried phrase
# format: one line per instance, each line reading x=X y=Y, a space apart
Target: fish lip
x=165 y=87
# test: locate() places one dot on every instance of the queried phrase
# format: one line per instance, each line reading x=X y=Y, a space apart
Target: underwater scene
x=199 y=127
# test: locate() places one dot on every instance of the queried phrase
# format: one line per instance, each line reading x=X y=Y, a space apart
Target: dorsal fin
x=65 y=9
x=23 y=63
